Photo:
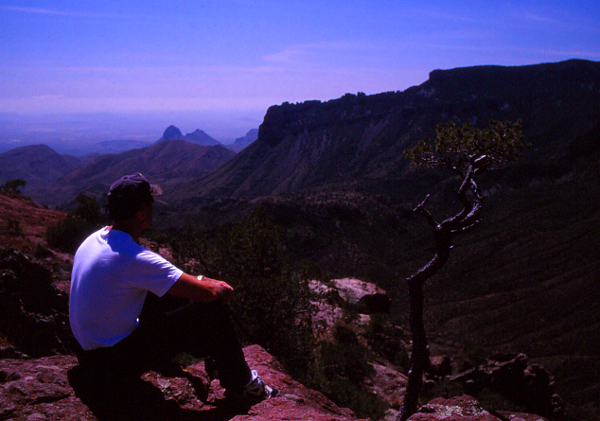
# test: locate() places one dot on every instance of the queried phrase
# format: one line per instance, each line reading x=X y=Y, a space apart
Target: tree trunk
x=419 y=359
x=443 y=235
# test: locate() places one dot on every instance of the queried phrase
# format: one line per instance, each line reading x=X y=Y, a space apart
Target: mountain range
x=333 y=174
x=198 y=137
x=53 y=179
x=242 y=142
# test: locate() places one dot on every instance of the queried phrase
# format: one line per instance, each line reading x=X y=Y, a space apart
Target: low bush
x=67 y=234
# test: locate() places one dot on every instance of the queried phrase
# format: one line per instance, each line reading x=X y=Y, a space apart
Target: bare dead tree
x=467 y=152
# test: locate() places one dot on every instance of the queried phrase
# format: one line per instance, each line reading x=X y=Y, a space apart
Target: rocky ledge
x=40 y=389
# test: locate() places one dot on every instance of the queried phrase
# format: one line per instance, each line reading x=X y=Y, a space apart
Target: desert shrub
x=476 y=354
x=271 y=305
x=88 y=209
x=344 y=367
x=444 y=389
x=386 y=340
x=362 y=402
x=13 y=227
x=344 y=360
x=13 y=186
x=67 y=234
x=495 y=401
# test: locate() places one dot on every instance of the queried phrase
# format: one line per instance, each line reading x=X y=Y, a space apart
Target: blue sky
x=83 y=71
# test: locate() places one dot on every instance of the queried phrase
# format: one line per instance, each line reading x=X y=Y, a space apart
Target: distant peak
x=172 y=133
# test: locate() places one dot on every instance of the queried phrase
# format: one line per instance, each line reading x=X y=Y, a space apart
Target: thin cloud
x=538 y=18
x=53 y=12
x=564 y=20
x=306 y=53
x=437 y=15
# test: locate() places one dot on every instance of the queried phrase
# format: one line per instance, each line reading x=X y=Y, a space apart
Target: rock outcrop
x=34 y=313
x=528 y=385
x=39 y=389
x=366 y=296
x=363 y=297
x=465 y=408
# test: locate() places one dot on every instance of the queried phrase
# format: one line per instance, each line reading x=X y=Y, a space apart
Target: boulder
x=511 y=375
x=34 y=313
x=368 y=298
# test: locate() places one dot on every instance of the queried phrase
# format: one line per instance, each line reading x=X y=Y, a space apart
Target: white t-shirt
x=111 y=276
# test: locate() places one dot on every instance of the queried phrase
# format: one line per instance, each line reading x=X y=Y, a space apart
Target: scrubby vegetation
x=272 y=307
x=344 y=367
x=68 y=234
x=13 y=186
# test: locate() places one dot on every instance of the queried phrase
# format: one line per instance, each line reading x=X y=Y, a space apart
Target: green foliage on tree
x=87 y=209
x=386 y=339
x=67 y=234
x=457 y=147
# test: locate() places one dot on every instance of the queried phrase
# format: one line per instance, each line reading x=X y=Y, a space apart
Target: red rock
x=39 y=389
x=463 y=408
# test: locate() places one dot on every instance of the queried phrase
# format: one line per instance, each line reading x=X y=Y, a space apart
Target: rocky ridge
x=40 y=389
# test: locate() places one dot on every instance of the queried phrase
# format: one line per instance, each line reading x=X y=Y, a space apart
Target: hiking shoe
x=256 y=389
x=254 y=392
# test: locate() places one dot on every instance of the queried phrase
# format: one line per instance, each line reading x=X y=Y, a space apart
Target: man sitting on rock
x=119 y=292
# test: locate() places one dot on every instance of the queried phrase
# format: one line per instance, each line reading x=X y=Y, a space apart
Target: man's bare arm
x=201 y=289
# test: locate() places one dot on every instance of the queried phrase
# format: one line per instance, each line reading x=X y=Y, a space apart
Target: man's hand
x=224 y=291
x=201 y=288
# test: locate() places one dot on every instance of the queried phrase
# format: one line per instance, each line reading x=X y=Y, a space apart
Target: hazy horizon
x=72 y=133
x=80 y=72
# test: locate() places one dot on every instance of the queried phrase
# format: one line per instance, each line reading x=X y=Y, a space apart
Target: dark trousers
x=169 y=326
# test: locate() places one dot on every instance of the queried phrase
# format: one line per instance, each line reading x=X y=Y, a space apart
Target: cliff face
x=358 y=138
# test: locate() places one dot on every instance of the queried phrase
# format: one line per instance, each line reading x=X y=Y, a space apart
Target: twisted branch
x=444 y=234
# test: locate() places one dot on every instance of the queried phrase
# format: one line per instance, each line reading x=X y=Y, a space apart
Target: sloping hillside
x=168 y=163
x=36 y=164
x=23 y=222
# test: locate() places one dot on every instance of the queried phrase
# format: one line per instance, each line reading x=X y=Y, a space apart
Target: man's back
x=111 y=277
